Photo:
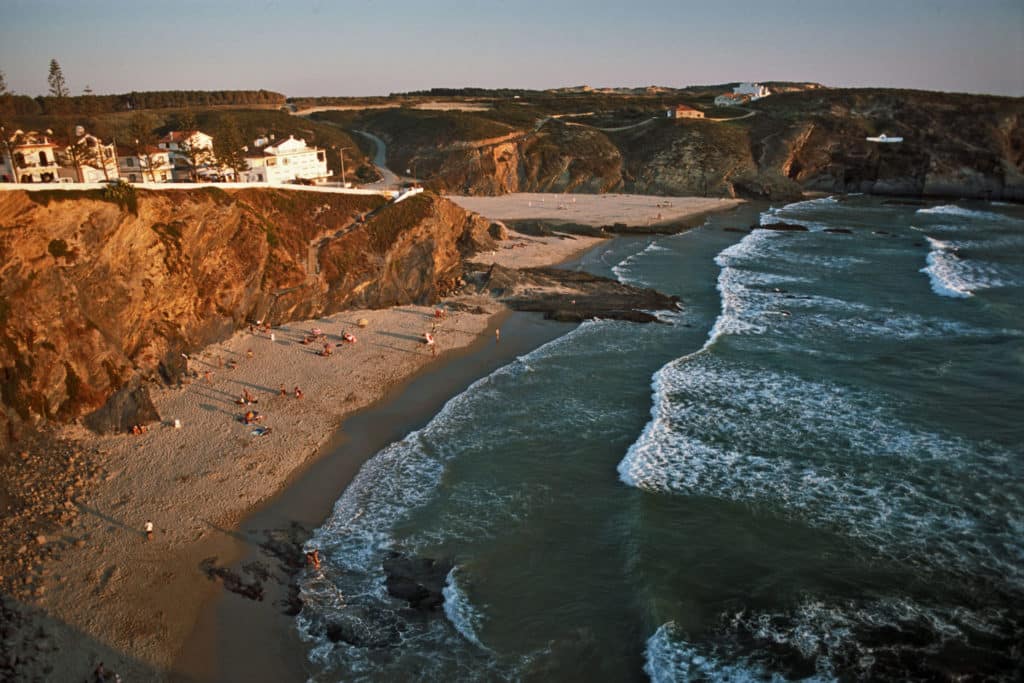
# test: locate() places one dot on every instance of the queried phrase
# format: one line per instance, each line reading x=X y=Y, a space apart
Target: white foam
x=829 y=456
x=961 y=212
x=627 y=272
x=829 y=634
x=953 y=276
x=670 y=659
x=460 y=611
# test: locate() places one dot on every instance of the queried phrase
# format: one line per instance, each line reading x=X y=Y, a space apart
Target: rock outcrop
x=814 y=139
x=94 y=294
x=573 y=296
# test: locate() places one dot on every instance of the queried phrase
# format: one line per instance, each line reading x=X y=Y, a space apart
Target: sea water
x=812 y=471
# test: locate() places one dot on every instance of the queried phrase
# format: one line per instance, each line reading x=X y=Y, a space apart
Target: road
x=389 y=180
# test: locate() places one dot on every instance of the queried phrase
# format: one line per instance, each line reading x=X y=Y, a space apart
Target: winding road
x=389 y=179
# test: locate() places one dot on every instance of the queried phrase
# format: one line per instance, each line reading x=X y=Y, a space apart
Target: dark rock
x=729 y=229
x=839 y=231
x=498 y=231
x=574 y=296
x=905 y=202
x=417 y=580
x=785 y=227
x=363 y=627
x=131 y=405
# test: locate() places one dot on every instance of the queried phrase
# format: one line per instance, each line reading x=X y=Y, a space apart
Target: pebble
x=41 y=540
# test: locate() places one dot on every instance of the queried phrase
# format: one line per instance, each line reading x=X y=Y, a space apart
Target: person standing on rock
x=148 y=526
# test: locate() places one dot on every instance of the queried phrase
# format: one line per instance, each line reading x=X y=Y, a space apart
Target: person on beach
x=298 y=392
x=247 y=398
x=497 y=335
x=313 y=558
x=283 y=390
x=148 y=528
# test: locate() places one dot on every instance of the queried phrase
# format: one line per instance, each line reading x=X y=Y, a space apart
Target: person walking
x=148 y=526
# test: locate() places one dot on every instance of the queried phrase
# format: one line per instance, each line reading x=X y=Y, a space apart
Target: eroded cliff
x=94 y=293
x=954 y=146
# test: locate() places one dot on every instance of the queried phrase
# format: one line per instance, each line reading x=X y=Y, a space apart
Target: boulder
x=417 y=580
x=130 y=405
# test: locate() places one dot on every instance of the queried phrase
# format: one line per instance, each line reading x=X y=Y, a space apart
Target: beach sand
x=115 y=597
x=594 y=209
x=111 y=595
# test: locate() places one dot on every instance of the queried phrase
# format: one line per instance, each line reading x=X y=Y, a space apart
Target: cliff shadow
x=40 y=646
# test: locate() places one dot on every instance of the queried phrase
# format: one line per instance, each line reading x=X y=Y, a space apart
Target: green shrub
x=122 y=194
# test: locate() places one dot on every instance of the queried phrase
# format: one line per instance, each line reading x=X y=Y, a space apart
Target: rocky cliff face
x=954 y=146
x=93 y=294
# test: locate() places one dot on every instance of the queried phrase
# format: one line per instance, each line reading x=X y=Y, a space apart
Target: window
x=129 y=162
x=133 y=178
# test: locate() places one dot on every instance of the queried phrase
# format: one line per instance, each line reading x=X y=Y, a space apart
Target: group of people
x=138 y=429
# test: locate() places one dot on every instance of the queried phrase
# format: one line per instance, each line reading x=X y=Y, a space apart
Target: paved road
x=390 y=180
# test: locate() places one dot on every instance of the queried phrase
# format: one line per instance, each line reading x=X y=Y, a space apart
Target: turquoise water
x=812 y=471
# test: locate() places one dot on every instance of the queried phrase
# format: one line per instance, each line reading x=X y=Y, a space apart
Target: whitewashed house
x=284 y=161
x=88 y=160
x=754 y=90
x=149 y=165
x=186 y=148
x=33 y=158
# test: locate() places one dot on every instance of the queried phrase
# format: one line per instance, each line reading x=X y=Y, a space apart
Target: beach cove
x=112 y=596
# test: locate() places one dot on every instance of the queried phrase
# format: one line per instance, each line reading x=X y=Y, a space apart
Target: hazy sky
x=370 y=47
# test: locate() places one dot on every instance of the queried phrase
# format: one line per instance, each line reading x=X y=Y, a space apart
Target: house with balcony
x=284 y=161
x=30 y=157
x=88 y=160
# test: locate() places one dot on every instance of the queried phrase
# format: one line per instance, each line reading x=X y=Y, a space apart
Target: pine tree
x=227 y=147
x=58 y=86
x=3 y=83
x=142 y=141
x=196 y=156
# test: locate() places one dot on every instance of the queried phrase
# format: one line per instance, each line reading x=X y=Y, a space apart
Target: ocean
x=814 y=470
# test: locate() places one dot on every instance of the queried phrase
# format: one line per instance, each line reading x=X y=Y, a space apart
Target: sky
x=374 y=47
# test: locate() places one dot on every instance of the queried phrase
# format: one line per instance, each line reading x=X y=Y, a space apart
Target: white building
x=149 y=165
x=284 y=161
x=187 y=148
x=755 y=90
x=96 y=162
x=33 y=158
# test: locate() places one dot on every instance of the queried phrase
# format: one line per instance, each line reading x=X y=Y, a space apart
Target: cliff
x=97 y=291
x=954 y=146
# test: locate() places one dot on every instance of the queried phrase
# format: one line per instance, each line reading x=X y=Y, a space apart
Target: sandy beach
x=594 y=209
x=105 y=593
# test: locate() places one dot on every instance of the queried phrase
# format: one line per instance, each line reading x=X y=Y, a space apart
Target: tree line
x=60 y=101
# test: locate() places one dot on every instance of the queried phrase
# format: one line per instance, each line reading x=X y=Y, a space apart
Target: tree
x=58 y=86
x=142 y=142
x=3 y=83
x=81 y=150
x=227 y=147
x=195 y=154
